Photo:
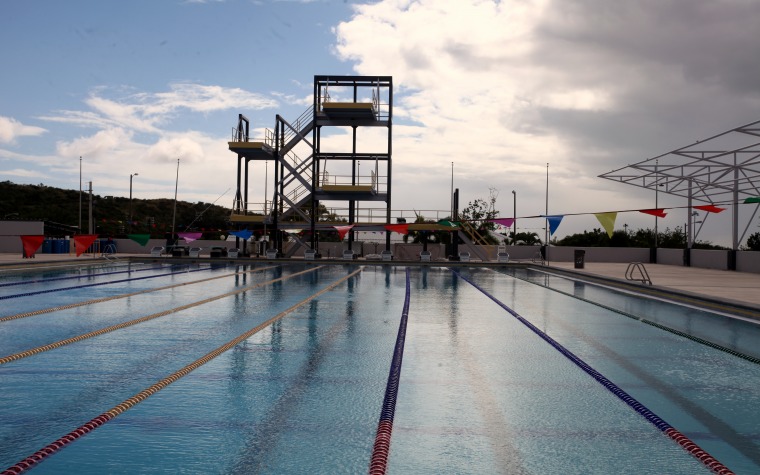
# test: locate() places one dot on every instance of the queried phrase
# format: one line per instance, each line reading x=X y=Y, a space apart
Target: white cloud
x=150 y=112
x=10 y=129
x=502 y=88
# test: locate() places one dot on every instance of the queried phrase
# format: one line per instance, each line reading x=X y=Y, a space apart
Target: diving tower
x=308 y=173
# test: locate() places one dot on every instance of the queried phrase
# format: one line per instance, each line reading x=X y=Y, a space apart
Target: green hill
x=59 y=208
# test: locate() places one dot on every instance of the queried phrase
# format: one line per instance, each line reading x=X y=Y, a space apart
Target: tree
x=753 y=242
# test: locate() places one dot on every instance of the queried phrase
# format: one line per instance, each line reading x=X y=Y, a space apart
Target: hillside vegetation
x=110 y=213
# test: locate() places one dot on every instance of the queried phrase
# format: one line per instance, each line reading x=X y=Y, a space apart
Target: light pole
x=514 y=217
x=129 y=224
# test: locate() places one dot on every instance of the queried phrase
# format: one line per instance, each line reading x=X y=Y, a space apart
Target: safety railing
x=637 y=272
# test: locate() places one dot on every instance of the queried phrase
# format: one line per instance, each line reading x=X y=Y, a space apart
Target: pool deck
x=735 y=288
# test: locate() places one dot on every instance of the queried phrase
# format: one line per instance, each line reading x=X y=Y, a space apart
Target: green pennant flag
x=451 y=224
x=753 y=199
x=141 y=239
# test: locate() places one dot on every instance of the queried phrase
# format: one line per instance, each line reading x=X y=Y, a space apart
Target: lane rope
x=119 y=326
x=128 y=403
x=74 y=277
x=692 y=448
x=122 y=296
x=96 y=284
x=381 y=450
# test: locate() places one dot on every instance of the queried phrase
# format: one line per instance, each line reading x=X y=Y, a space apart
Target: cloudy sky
x=498 y=88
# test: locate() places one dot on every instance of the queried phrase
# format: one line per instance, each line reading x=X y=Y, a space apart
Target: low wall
x=746 y=261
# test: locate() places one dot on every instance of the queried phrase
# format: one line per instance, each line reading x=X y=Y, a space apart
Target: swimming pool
x=283 y=368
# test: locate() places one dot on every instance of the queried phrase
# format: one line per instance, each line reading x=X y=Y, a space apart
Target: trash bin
x=47 y=246
x=580 y=258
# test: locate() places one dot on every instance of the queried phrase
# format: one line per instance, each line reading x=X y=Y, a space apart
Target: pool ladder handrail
x=642 y=272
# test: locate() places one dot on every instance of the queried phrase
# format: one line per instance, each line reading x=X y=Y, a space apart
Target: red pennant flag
x=398 y=228
x=83 y=241
x=31 y=244
x=659 y=212
x=710 y=208
x=342 y=230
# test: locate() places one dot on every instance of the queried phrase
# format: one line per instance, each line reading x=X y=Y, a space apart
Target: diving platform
x=349 y=110
x=250 y=149
x=249 y=218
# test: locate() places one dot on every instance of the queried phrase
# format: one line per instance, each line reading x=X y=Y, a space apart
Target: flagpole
x=80 y=194
x=546 y=230
x=174 y=214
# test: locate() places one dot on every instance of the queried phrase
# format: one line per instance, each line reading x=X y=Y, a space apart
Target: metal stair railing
x=642 y=276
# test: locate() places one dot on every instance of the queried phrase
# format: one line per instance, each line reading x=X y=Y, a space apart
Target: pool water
x=479 y=392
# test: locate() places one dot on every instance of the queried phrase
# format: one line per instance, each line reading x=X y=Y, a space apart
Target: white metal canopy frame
x=719 y=170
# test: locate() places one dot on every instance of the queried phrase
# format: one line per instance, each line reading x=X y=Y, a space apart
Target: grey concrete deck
x=728 y=286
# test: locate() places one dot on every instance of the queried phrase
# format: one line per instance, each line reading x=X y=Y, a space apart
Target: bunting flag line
x=190 y=237
x=752 y=199
x=243 y=234
x=141 y=239
x=31 y=244
x=608 y=221
x=553 y=222
x=710 y=208
x=398 y=228
x=83 y=241
x=343 y=230
x=659 y=212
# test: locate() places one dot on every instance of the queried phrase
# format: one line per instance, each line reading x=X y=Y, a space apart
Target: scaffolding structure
x=308 y=173
x=722 y=169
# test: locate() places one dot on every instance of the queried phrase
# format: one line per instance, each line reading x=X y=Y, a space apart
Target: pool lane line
x=119 y=326
x=128 y=403
x=696 y=339
x=121 y=296
x=700 y=454
x=96 y=284
x=73 y=277
x=381 y=449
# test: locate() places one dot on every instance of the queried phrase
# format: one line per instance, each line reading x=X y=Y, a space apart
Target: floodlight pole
x=174 y=214
x=514 y=218
x=80 y=193
x=129 y=224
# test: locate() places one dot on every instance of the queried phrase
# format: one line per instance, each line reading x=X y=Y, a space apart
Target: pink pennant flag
x=342 y=230
x=190 y=237
x=659 y=212
x=506 y=222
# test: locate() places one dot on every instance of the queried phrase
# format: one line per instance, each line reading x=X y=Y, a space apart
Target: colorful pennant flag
x=243 y=234
x=31 y=244
x=752 y=199
x=141 y=239
x=190 y=237
x=659 y=212
x=608 y=221
x=710 y=208
x=83 y=241
x=343 y=230
x=446 y=222
x=553 y=222
x=506 y=222
x=398 y=228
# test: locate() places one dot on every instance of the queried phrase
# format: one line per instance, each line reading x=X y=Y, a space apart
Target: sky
x=499 y=89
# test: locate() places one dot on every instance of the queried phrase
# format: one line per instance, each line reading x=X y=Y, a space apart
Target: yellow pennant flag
x=608 y=221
